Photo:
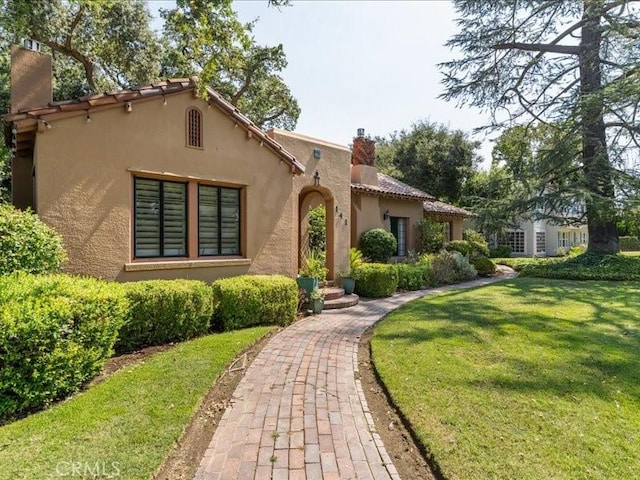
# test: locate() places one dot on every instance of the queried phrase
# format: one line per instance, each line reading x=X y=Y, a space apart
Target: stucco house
x=542 y=238
x=156 y=182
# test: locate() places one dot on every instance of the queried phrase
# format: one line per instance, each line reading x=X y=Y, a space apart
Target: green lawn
x=524 y=379
x=126 y=425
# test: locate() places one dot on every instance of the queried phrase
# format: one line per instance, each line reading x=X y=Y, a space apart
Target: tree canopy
x=430 y=157
x=572 y=67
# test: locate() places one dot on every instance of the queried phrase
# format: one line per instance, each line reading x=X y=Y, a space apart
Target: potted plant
x=312 y=272
x=348 y=280
x=316 y=301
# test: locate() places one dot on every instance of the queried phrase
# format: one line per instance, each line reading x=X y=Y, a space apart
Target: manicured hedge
x=56 y=331
x=629 y=244
x=412 y=276
x=483 y=265
x=378 y=245
x=164 y=311
x=27 y=244
x=589 y=266
x=250 y=300
x=375 y=280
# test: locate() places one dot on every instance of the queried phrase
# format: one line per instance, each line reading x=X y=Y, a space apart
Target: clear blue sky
x=370 y=64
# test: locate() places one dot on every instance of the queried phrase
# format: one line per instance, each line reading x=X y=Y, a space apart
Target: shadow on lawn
x=552 y=350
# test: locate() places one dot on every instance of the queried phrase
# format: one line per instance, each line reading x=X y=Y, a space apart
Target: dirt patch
x=404 y=451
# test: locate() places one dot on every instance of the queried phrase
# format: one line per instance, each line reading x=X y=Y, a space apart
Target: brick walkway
x=300 y=412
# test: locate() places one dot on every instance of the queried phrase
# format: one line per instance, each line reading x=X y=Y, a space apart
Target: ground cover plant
x=523 y=379
x=126 y=425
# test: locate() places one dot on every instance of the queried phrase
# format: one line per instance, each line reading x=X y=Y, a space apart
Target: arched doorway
x=309 y=198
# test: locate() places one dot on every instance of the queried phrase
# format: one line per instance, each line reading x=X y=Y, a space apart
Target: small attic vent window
x=194 y=128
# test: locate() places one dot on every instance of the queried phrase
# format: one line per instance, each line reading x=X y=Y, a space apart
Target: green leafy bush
x=429 y=236
x=164 y=311
x=451 y=267
x=376 y=280
x=378 y=245
x=483 y=265
x=629 y=244
x=56 y=331
x=461 y=246
x=250 y=300
x=412 y=277
x=589 y=266
x=479 y=245
x=27 y=244
x=318 y=229
x=503 y=251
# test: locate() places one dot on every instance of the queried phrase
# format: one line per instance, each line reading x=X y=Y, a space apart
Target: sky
x=362 y=64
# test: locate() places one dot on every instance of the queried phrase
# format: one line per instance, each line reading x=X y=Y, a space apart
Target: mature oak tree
x=573 y=65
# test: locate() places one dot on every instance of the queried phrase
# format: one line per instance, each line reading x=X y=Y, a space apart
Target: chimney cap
x=361 y=132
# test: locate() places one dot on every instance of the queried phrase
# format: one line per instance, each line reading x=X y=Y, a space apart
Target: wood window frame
x=192 y=216
x=194 y=133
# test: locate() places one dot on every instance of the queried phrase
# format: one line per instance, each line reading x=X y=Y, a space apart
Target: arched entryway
x=309 y=198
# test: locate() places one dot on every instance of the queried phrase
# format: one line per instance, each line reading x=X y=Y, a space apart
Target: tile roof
x=30 y=116
x=390 y=187
x=435 y=206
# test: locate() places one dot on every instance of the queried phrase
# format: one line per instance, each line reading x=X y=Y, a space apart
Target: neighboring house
x=155 y=182
x=543 y=238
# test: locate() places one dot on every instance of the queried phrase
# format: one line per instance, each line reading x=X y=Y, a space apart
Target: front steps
x=334 y=298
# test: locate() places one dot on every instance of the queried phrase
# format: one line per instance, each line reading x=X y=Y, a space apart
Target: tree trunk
x=601 y=213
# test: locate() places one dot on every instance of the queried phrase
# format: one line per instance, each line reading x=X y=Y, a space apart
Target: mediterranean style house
x=158 y=182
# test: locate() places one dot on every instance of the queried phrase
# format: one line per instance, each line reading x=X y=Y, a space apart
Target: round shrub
x=451 y=267
x=164 y=311
x=378 y=245
x=250 y=300
x=56 y=331
x=461 y=246
x=376 y=280
x=483 y=265
x=27 y=244
x=479 y=245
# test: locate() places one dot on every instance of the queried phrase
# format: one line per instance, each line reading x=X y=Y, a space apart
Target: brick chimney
x=30 y=77
x=363 y=160
x=364 y=150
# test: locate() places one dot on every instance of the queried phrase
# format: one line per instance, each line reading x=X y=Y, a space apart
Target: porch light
x=385 y=215
x=316 y=178
x=128 y=107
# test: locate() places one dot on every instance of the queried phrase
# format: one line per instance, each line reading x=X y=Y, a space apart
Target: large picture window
x=218 y=220
x=515 y=240
x=399 y=230
x=160 y=218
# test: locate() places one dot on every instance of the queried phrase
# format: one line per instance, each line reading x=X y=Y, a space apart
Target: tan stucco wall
x=333 y=168
x=85 y=185
x=369 y=213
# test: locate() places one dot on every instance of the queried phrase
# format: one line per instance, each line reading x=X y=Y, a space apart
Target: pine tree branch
x=539 y=47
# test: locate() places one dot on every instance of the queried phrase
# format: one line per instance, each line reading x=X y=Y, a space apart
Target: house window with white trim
x=541 y=242
x=515 y=240
x=399 y=230
x=194 y=127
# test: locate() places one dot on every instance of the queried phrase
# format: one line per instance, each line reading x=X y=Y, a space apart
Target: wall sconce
x=385 y=215
x=316 y=178
x=88 y=118
x=128 y=107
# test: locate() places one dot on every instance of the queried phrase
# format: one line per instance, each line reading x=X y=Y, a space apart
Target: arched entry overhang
x=310 y=197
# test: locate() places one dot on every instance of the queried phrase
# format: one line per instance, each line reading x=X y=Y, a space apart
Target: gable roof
x=437 y=207
x=25 y=122
x=391 y=187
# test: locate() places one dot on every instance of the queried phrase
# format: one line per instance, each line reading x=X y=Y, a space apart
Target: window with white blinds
x=160 y=218
x=218 y=220
x=399 y=230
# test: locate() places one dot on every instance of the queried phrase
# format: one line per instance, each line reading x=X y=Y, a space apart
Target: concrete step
x=342 y=302
x=331 y=293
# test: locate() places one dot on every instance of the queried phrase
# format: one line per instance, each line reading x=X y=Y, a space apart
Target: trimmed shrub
x=164 y=311
x=589 y=266
x=376 y=280
x=479 y=245
x=56 y=331
x=483 y=265
x=27 y=244
x=503 y=251
x=250 y=300
x=629 y=244
x=412 y=277
x=461 y=246
x=378 y=245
